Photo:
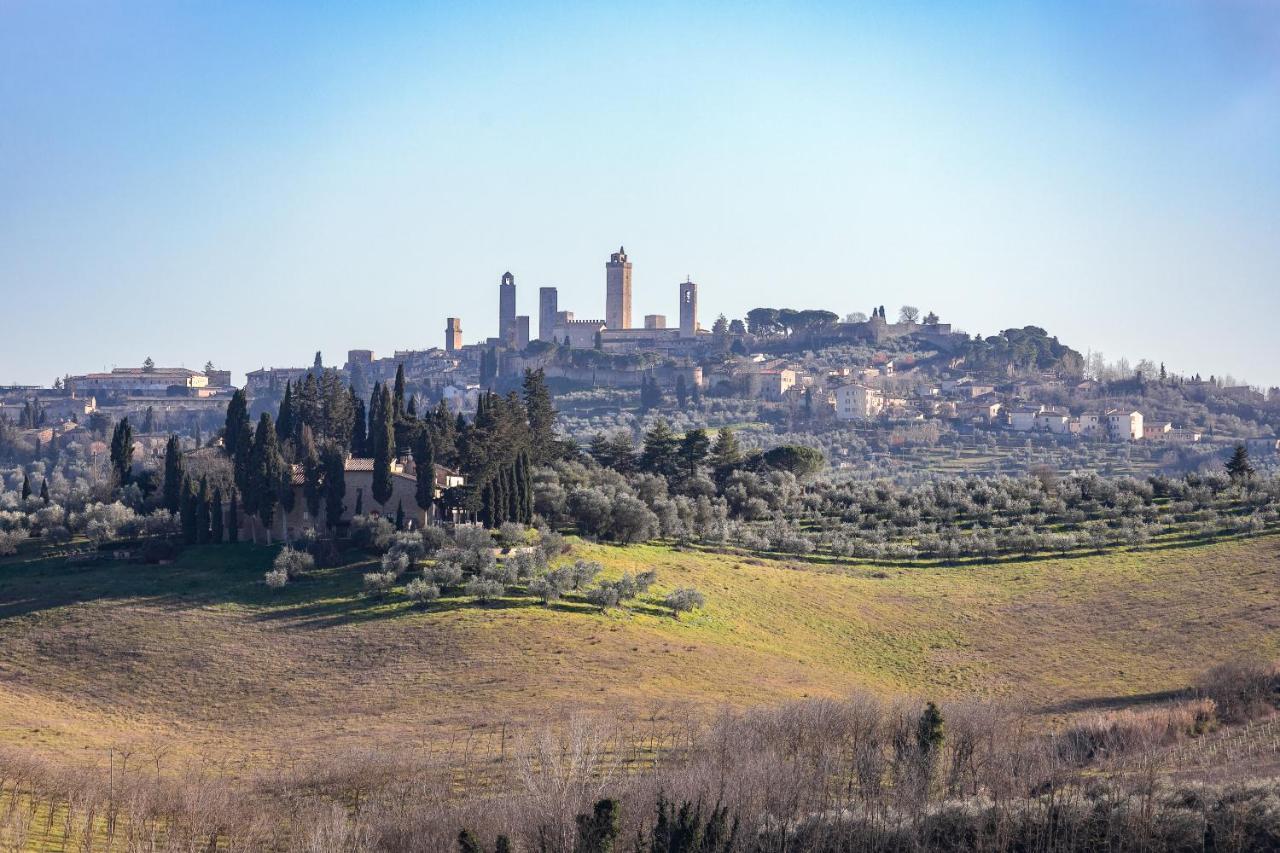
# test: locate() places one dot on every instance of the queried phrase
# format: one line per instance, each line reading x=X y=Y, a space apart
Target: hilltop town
x=880 y=392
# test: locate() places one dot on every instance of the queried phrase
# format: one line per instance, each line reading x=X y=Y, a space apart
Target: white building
x=858 y=402
x=1054 y=421
x=1023 y=418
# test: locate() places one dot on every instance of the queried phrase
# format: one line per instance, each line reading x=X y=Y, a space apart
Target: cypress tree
x=233 y=520
x=424 y=464
x=265 y=470
x=397 y=395
x=215 y=517
x=44 y=491
x=237 y=422
x=515 y=499
x=122 y=451
x=335 y=485
x=285 y=419
x=541 y=415
x=501 y=496
x=384 y=441
x=187 y=512
x=359 y=428
x=26 y=486
x=359 y=502
x=172 y=493
x=312 y=473
x=486 y=504
x=400 y=515
x=202 y=513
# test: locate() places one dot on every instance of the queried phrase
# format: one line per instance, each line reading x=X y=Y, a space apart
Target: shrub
x=372 y=532
x=484 y=590
x=293 y=563
x=433 y=539
x=528 y=564
x=582 y=572
x=410 y=544
x=683 y=600
x=445 y=574
x=471 y=536
x=9 y=541
x=552 y=544
x=644 y=580
x=511 y=534
x=603 y=596
x=395 y=563
x=379 y=583
x=421 y=591
x=545 y=589
x=1242 y=690
x=276 y=578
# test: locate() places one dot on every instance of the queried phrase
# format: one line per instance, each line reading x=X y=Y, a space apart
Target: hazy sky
x=251 y=182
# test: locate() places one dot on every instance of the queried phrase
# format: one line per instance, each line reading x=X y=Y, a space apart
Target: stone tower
x=507 y=308
x=617 y=291
x=452 y=334
x=548 y=305
x=688 y=309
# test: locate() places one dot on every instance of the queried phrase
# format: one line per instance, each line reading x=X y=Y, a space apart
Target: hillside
x=201 y=656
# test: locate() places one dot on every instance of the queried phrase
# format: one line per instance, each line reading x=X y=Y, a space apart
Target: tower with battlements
x=617 y=291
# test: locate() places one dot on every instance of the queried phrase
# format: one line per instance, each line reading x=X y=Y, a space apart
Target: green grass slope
x=200 y=656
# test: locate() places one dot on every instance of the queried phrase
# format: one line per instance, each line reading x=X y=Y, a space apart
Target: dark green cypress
x=187 y=511
x=237 y=422
x=400 y=515
x=359 y=428
x=202 y=513
x=285 y=418
x=172 y=474
x=424 y=463
x=233 y=520
x=397 y=395
x=215 y=518
x=384 y=445
x=44 y=491
x=514 y=498
x=26 y=486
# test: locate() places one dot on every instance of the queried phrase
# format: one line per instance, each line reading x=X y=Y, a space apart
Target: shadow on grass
x=1115 y=703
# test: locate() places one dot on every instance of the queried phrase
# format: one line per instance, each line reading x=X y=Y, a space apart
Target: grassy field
x=200 y=658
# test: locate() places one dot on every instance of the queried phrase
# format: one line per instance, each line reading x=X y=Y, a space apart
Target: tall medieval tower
x=688 y=309
x=617 y=291
x=548 y=306
x=507 y=308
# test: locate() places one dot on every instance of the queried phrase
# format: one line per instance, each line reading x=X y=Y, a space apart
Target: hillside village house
x=858 y=402
x=1053 y=421
x=1023 y=418
x=358 y=476
x=1118 y=425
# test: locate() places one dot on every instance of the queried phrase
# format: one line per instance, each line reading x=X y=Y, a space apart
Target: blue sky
x=251 y=182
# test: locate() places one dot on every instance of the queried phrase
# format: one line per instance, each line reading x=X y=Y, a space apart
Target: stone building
x=688 y=309
x=548 y=308
x=507 y=308
x=858 y=402
x=452 y=334
x=617 y=300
